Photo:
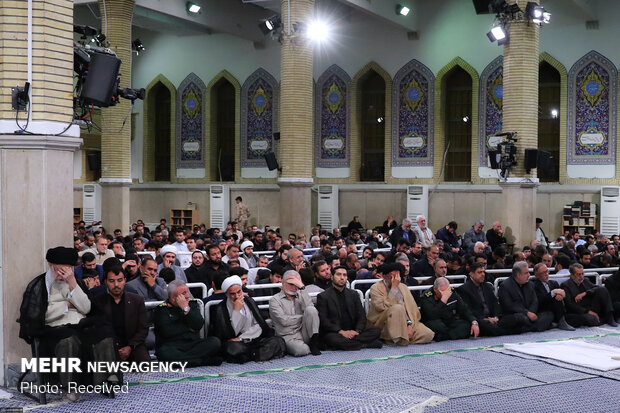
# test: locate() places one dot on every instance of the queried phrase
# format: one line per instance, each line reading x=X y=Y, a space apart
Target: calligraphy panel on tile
x=332 y=119
x=490 y=108
x=191 y=118
x=592 y=96
x=413 y=114
x=259 y=114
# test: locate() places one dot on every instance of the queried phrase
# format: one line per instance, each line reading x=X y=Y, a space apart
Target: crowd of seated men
x=91 y=301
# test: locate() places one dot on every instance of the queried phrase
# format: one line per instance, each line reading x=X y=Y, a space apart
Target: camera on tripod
x=504 y=156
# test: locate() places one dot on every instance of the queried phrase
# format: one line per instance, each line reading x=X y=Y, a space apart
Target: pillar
x=115 y=179
x=296 y=120
x=36 y=170
x=520 y=105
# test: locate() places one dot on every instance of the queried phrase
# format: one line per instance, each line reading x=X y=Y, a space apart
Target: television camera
x=504 y=156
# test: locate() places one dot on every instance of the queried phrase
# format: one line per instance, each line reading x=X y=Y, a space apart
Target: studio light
x=193 y=7
x=269 y=25
x=317 y=31
x=137 y=46
x=554 y=113
x=465 y=119
x=498 y=34
x=402 y=10
x=537 y=13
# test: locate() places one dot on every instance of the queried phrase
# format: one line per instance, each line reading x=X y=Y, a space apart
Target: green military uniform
x=449 y=321
x=178 y=338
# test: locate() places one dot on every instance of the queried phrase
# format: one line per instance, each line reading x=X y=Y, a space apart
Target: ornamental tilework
x=592 y=97
x=332 y=119
x=412 y=115
x=259 y=117
x=191 y=118
x=490 y=106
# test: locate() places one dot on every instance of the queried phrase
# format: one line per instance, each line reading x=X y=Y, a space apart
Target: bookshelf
x=185 y=218
x=581 y=217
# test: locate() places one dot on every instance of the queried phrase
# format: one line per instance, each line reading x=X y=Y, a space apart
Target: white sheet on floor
x=580 y=353
x=5 y=394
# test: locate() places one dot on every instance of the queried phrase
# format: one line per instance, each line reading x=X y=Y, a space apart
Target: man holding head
x=343 y=319
x=148 y=286
x=244 y=334
x=445 y=312
x=294 y=317
x=393 y=309
x=168 y=254
x=177 y=325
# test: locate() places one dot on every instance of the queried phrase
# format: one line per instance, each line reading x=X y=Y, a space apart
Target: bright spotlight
x=193 y=7
x=317 y=31
x=402 y=10
x=554 y=113
x=537 y=13
x=465 y=119
x=498 y=33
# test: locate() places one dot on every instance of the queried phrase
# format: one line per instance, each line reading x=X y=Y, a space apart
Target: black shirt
x=346 y=322
x=118 y=319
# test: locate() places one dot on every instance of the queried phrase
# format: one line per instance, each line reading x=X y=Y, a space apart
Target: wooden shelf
x=77 y=215
x=584 y=224
x=184 y=218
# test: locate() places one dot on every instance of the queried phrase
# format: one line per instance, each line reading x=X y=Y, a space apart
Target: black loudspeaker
x=100 y=84
x=272 y=162
x=276 y=136
x=482 y=6
x=493 y=161
x=530 y=160
x=543 y=162
x=94 y=161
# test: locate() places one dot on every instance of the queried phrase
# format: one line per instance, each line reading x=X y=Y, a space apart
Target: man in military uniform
x=177 y=325
x=445 y=312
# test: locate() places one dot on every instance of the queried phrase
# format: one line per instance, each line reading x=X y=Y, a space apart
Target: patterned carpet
x=457 y=376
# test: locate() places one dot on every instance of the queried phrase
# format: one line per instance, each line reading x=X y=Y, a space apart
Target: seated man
x=322 y=274
x=275 y=277
x=479 y=296
x=520 y=304
x=294 y=317
x=424 y=267
x=177 y=330
x=343 y=319
x=168 y=254
x=612 y=283
x=149 y=286
x=243 y=332
x=393 y=309
x=550 y=296
x=586 y=304
x=126 y=313
x=445 y=312
x=54 y=308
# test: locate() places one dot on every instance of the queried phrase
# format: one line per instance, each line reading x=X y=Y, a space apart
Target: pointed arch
x=440 y=142
x=259 y=117
x=332 y=119
x=211 y=139
x=592 y=113
x=149 y=130
x=356 y=141
x=413 y=112
x=490 y=106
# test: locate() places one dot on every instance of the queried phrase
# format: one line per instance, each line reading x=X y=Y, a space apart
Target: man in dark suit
x=404 y=231
x=520 y=304
x=343 y=319
x=126 y=313
x=425 y=266
x=612 y=283
x=586 y=303
x=550 y=296
x=480 y=298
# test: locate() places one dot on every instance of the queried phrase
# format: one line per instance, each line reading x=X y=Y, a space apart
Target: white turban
x=230 y=281
x=246 y=244
x=166 y=249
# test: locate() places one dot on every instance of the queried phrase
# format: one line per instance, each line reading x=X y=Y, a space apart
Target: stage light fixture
x=270 y=24
x=193 y=7
x=465 y=119
x=317 y=31
x=554 y=113
x=537 y=13
x=137 y=46
x=402 y=10
x=499 y=34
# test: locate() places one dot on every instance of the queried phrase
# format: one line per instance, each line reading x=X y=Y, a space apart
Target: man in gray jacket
x=294 y=317
x=149 y=286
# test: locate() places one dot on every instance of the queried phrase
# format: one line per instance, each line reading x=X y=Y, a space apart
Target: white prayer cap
x=166 y=249
x=230 y=281
x=246 y=244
